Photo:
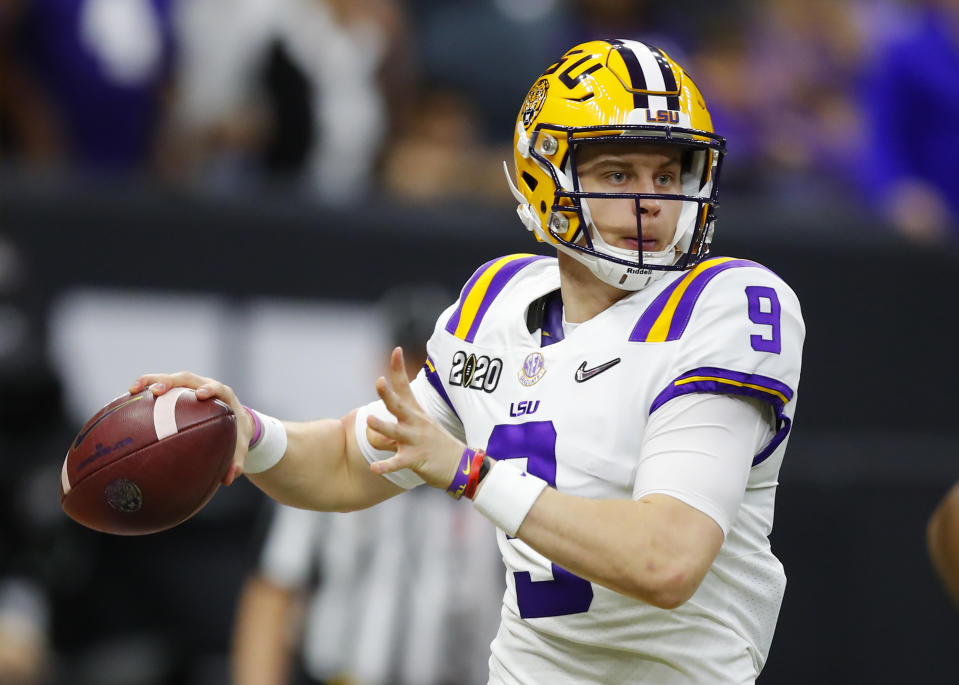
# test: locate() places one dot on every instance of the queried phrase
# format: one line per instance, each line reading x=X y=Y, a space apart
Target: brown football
x=144 y=464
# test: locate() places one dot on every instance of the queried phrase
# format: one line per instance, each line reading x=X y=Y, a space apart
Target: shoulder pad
x=668 y=315
x=480 y=291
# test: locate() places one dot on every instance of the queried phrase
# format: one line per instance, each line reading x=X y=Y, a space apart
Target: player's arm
x=942 y=537
x=657 y=548
x=321 y=468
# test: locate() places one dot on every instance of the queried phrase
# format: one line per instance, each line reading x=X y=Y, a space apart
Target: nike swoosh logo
x=82 y=436
x=583 y=374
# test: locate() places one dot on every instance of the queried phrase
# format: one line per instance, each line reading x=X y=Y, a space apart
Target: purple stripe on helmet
x=669 y=80
x=783 y=423
x=434 y=378
x=636 y=76
x=646 y=321
x=496 y=285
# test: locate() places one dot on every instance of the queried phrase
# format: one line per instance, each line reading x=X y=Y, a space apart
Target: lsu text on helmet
x=620 y=91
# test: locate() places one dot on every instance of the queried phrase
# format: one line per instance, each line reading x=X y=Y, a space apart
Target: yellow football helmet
x=614 y=91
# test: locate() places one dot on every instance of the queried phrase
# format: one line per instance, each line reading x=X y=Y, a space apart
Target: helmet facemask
x=570 y=223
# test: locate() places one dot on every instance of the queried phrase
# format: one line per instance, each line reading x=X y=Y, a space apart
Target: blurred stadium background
x=233 y=187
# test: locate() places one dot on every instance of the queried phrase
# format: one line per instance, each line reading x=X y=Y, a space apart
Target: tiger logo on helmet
x=614 y=91
x=534 y=102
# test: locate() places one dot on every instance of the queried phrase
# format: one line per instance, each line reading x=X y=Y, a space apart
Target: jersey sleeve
x=698 y=449
x=739 y=331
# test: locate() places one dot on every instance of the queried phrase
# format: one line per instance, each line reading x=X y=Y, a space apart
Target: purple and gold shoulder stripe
x=434 y=378
x=480 y=291
x=668 y=315
x=726 y=382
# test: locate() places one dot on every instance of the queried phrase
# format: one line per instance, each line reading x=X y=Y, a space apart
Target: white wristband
x=268 y=447
x=506 y=496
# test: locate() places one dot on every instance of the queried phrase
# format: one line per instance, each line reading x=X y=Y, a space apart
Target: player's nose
x=647 y=206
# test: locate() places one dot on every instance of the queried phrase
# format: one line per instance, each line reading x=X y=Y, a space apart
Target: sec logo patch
x=534 y=367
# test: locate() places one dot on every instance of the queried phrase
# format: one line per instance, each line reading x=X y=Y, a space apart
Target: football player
x=619 y=411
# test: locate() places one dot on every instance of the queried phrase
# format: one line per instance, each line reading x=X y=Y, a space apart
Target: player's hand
x=421 y=444
x=206 y=389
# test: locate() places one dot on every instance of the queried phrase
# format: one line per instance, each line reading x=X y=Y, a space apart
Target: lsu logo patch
x=534 y=101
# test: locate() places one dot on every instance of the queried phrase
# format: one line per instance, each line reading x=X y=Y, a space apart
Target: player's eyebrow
x=618 y=160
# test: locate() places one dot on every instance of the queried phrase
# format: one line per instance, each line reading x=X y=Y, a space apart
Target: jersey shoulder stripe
x=434 y=378
x=724 y=381
x=668 y=315
x=480 y=291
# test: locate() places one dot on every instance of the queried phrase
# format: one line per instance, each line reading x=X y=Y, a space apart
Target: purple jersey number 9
x=764 y=309
x=566 y=593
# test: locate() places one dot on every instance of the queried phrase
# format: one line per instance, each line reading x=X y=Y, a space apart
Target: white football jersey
x=573 y=411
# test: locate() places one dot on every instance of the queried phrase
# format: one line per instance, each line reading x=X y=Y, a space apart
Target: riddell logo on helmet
x=534 y=101
x=663 y=116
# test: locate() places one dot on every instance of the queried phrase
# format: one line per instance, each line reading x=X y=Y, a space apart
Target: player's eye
x=616 y=177
x=665 y=179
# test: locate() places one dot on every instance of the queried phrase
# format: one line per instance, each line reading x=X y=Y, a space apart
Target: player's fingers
x=388 y=465
x=159 y=383
x=380 y=441
x=211 y=388
x=391 y=399
x=145 y=381
x=398 y=378
x=236 y=469
x=243 y=436
x=388 y=429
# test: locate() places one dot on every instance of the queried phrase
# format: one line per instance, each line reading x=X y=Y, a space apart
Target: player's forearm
x=652 y=549
x=322 y=469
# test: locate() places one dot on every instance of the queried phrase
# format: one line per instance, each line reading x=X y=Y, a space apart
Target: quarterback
x=619 y=411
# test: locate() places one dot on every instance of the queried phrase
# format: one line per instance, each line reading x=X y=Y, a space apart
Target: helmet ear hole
x=542 y=206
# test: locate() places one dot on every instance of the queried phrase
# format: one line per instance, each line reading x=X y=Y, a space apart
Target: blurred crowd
x=846 y=102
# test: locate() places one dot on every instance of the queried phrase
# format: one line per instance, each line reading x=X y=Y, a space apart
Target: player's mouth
x=649 y=244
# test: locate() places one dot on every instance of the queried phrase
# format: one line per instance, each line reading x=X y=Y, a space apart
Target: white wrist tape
x=506 y=496
x=267 y=451
x=405 y=478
